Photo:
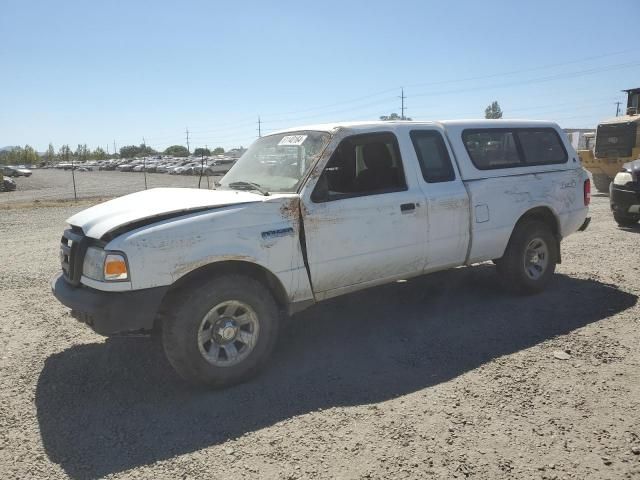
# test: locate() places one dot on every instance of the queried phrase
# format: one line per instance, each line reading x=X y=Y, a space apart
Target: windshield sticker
x=293 y=140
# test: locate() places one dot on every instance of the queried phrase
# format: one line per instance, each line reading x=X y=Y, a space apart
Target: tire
x=530 y=258
x=601 y=182
x=215 y=310
x=623 y=221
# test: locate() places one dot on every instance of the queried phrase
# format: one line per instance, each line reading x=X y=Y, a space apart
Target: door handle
x=407 y=207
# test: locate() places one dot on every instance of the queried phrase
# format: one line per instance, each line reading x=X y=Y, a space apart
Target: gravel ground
x=54 y=185
x=445 y=376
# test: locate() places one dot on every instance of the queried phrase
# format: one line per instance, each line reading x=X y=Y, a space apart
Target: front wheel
x=623 y=221
x=530 y=258
x=221 y=332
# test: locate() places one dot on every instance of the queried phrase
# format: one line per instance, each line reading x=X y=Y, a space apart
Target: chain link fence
x=51 y=185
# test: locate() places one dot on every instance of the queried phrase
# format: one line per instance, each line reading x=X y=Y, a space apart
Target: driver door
x=363 y=225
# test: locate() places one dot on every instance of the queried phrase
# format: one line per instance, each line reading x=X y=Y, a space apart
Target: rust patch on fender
x=290 y=211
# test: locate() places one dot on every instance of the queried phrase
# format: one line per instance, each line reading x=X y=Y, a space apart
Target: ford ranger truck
x=311 y=213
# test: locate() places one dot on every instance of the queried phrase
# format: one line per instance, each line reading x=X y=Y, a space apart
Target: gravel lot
x=445 y=376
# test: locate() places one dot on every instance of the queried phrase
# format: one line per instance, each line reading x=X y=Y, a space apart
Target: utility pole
x=201 y=167
x=402 y=97
x=107 y=149
x=208 y=185
x=73 y=174
x=114 y=148
x=618 y=108
x=188 y=148
x=144 y=161
x=259 y=127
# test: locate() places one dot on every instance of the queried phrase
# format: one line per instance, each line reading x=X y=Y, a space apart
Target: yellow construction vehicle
x=617 y=141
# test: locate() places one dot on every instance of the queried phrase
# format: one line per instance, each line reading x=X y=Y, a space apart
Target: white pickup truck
x=311 y=213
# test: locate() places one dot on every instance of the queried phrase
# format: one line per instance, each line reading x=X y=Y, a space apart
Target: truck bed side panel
x=498 y=203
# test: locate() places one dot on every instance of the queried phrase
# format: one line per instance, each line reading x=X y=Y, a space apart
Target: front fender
x=265 y=234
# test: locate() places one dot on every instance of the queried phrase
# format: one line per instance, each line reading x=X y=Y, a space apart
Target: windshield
x=276 y=163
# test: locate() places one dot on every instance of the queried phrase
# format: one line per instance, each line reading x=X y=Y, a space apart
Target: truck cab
x=311 y=213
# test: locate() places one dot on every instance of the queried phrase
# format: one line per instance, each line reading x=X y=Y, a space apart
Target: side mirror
x=321 y=192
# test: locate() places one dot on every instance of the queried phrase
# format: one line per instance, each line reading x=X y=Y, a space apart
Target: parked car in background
x=220 y=167
x=11 y=171
x=624 y=195
x=7 y=184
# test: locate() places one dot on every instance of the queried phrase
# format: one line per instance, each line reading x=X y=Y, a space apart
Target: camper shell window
x=493 y=148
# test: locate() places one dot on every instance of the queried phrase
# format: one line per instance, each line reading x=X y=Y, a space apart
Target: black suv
x=625 y=195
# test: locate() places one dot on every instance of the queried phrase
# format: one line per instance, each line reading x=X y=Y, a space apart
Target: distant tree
x=99 y=154
x=50 y=154
x=12 y=156
x=202 y=152
x=493 y=110
x=393 y=116
x=147 y=151
x=82 y=153
x=218 y=151
x=131 y=151
x=177 y=151
x=64 y=153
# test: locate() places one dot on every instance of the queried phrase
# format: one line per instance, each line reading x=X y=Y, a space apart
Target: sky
x=75 y=72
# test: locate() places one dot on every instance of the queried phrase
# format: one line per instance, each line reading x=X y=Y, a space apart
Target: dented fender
x=264 y=233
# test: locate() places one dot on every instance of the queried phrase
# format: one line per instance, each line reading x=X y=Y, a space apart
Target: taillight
x=587 y=192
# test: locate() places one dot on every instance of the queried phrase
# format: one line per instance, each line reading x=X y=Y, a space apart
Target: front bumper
x=110 y=313
x=625 y=200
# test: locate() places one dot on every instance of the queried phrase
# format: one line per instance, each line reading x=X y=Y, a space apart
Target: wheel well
x=241 y=267
x=545 y=215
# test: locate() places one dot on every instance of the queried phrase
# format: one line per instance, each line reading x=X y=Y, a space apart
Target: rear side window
x=513 y=147
x=433 y=156
x=541 y=146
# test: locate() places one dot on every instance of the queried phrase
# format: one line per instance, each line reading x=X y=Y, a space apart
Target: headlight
x=622 y=178
x=93 y=266
x=104 y=266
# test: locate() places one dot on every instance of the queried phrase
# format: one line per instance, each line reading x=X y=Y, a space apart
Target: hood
x=157 y=203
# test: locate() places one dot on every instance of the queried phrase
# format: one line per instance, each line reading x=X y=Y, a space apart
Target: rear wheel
x=623 y=221
x=530 y=258
x=221 y=332
x=601 y=182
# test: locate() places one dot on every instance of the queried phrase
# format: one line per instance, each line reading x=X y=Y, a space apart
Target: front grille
x=615 y=140
x=73 y=246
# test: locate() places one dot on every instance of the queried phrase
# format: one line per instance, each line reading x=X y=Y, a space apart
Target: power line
x=516 y=72
x=289 y=120
x=561 y=76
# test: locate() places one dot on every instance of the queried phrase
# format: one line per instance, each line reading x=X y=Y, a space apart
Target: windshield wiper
x=248 y=186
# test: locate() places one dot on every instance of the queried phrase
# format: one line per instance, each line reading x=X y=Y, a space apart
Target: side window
x=362 y=165
x=517 y=147
x=491 y=148
x=433 y=156
x=541 y=145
